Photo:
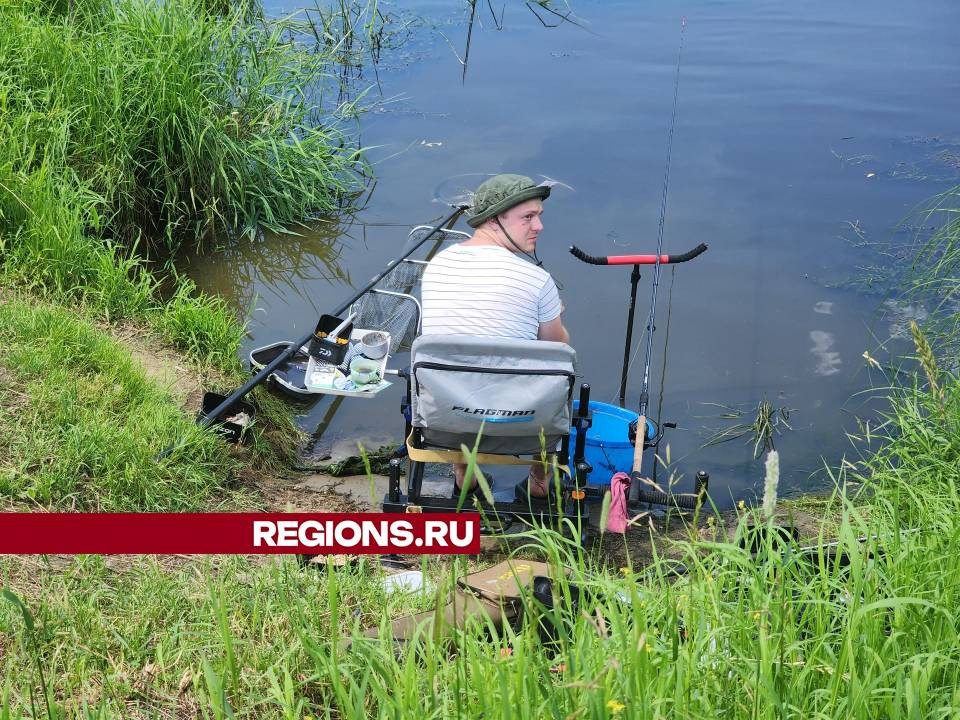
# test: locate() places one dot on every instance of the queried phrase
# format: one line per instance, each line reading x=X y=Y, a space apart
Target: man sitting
x=481 y=286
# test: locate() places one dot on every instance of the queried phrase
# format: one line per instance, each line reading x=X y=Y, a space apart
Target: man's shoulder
x=490 y=256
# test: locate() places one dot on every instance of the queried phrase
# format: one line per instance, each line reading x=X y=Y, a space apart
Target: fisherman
x=483 y=287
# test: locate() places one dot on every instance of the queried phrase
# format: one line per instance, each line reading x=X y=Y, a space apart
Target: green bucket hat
x=500 y=193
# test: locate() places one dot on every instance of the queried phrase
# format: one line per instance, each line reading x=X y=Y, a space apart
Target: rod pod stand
x=636 y=261
x=638 y=494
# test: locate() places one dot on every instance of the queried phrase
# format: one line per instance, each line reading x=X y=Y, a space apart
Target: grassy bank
x=864 y=629
x=83 y=421
x=82 y=425
x=129 y=125
x=129 y=128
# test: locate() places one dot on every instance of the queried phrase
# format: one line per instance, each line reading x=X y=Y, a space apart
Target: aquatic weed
x=768 y=422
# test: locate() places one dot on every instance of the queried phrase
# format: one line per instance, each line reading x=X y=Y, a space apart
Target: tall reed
x=128 y=126
x=935 y=272
x=182 y=121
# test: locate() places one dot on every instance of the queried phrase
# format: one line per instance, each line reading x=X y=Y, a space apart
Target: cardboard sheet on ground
x=489 y=596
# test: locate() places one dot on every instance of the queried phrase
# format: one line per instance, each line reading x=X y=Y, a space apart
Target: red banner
x=239 y=533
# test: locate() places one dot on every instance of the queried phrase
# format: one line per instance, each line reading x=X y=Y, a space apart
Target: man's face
x=523 y=223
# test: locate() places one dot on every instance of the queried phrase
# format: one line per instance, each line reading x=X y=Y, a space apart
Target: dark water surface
x=801 y=128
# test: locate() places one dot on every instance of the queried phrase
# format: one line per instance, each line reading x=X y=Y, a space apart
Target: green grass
x=182 y=121
x=81 y=425
x=935 y=274
x=201 y=326
x=772 y=636
x=775 y=635
x=129 y=125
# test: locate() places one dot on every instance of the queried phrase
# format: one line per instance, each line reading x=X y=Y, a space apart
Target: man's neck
x=484 y=236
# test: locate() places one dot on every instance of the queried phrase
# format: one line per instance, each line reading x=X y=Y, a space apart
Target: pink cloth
x=617 y=517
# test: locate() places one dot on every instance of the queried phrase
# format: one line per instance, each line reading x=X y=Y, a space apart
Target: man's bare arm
x=554 y=331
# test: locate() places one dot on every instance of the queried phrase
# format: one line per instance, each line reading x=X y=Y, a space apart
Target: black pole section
x=634 y=279
x=701 y=483
x=682 y=501
x=688 y=255
x=289 y=352
x=394 y=488
x=592 y=259
x=584 y=404
x=582 y=424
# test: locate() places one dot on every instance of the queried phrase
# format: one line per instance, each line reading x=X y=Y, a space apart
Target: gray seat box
x=509 y=390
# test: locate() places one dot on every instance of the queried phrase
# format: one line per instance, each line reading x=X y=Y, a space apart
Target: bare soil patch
x=162 y=365
x=289 y=494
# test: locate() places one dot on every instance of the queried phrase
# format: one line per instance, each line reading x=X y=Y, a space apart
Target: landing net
x=393 y=306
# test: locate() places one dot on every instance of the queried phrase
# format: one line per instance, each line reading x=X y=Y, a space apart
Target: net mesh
x=399 y=316
x=396 y=315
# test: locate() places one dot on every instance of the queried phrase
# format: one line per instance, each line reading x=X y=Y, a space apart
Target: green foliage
x=129 y=125
x=200 y=325
x=768 y=421
x=861 y=631
x=81 y=426
x=181 y=121
x=935 y=276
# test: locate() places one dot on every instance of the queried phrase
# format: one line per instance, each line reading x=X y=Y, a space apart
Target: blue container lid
x=611 y=425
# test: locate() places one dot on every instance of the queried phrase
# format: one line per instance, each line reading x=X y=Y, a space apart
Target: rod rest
x=637 y=259
x=686 y=501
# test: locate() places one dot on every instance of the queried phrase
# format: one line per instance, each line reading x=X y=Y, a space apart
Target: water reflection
x=285 y=263
x=828 y=360
x=806 y=134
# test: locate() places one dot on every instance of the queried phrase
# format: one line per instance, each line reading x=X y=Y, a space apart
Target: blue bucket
x=608 y=447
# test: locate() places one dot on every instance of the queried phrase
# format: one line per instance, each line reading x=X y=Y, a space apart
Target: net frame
x=393 y=306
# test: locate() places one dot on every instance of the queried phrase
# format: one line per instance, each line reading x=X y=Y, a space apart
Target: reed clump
x=934 y=277
x=179 y=121
x=129 y=128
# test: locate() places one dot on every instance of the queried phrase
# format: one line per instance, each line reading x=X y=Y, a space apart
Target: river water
x=805 y=135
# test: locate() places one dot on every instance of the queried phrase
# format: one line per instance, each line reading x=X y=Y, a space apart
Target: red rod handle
x=637 y=259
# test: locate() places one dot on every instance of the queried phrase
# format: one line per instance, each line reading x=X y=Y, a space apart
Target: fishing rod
x=656 y=260
x=644 y=387
x=211 y=417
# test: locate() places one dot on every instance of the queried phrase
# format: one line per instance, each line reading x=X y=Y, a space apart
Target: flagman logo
x=495 y=415
x=233 y=533
x=486 y=412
